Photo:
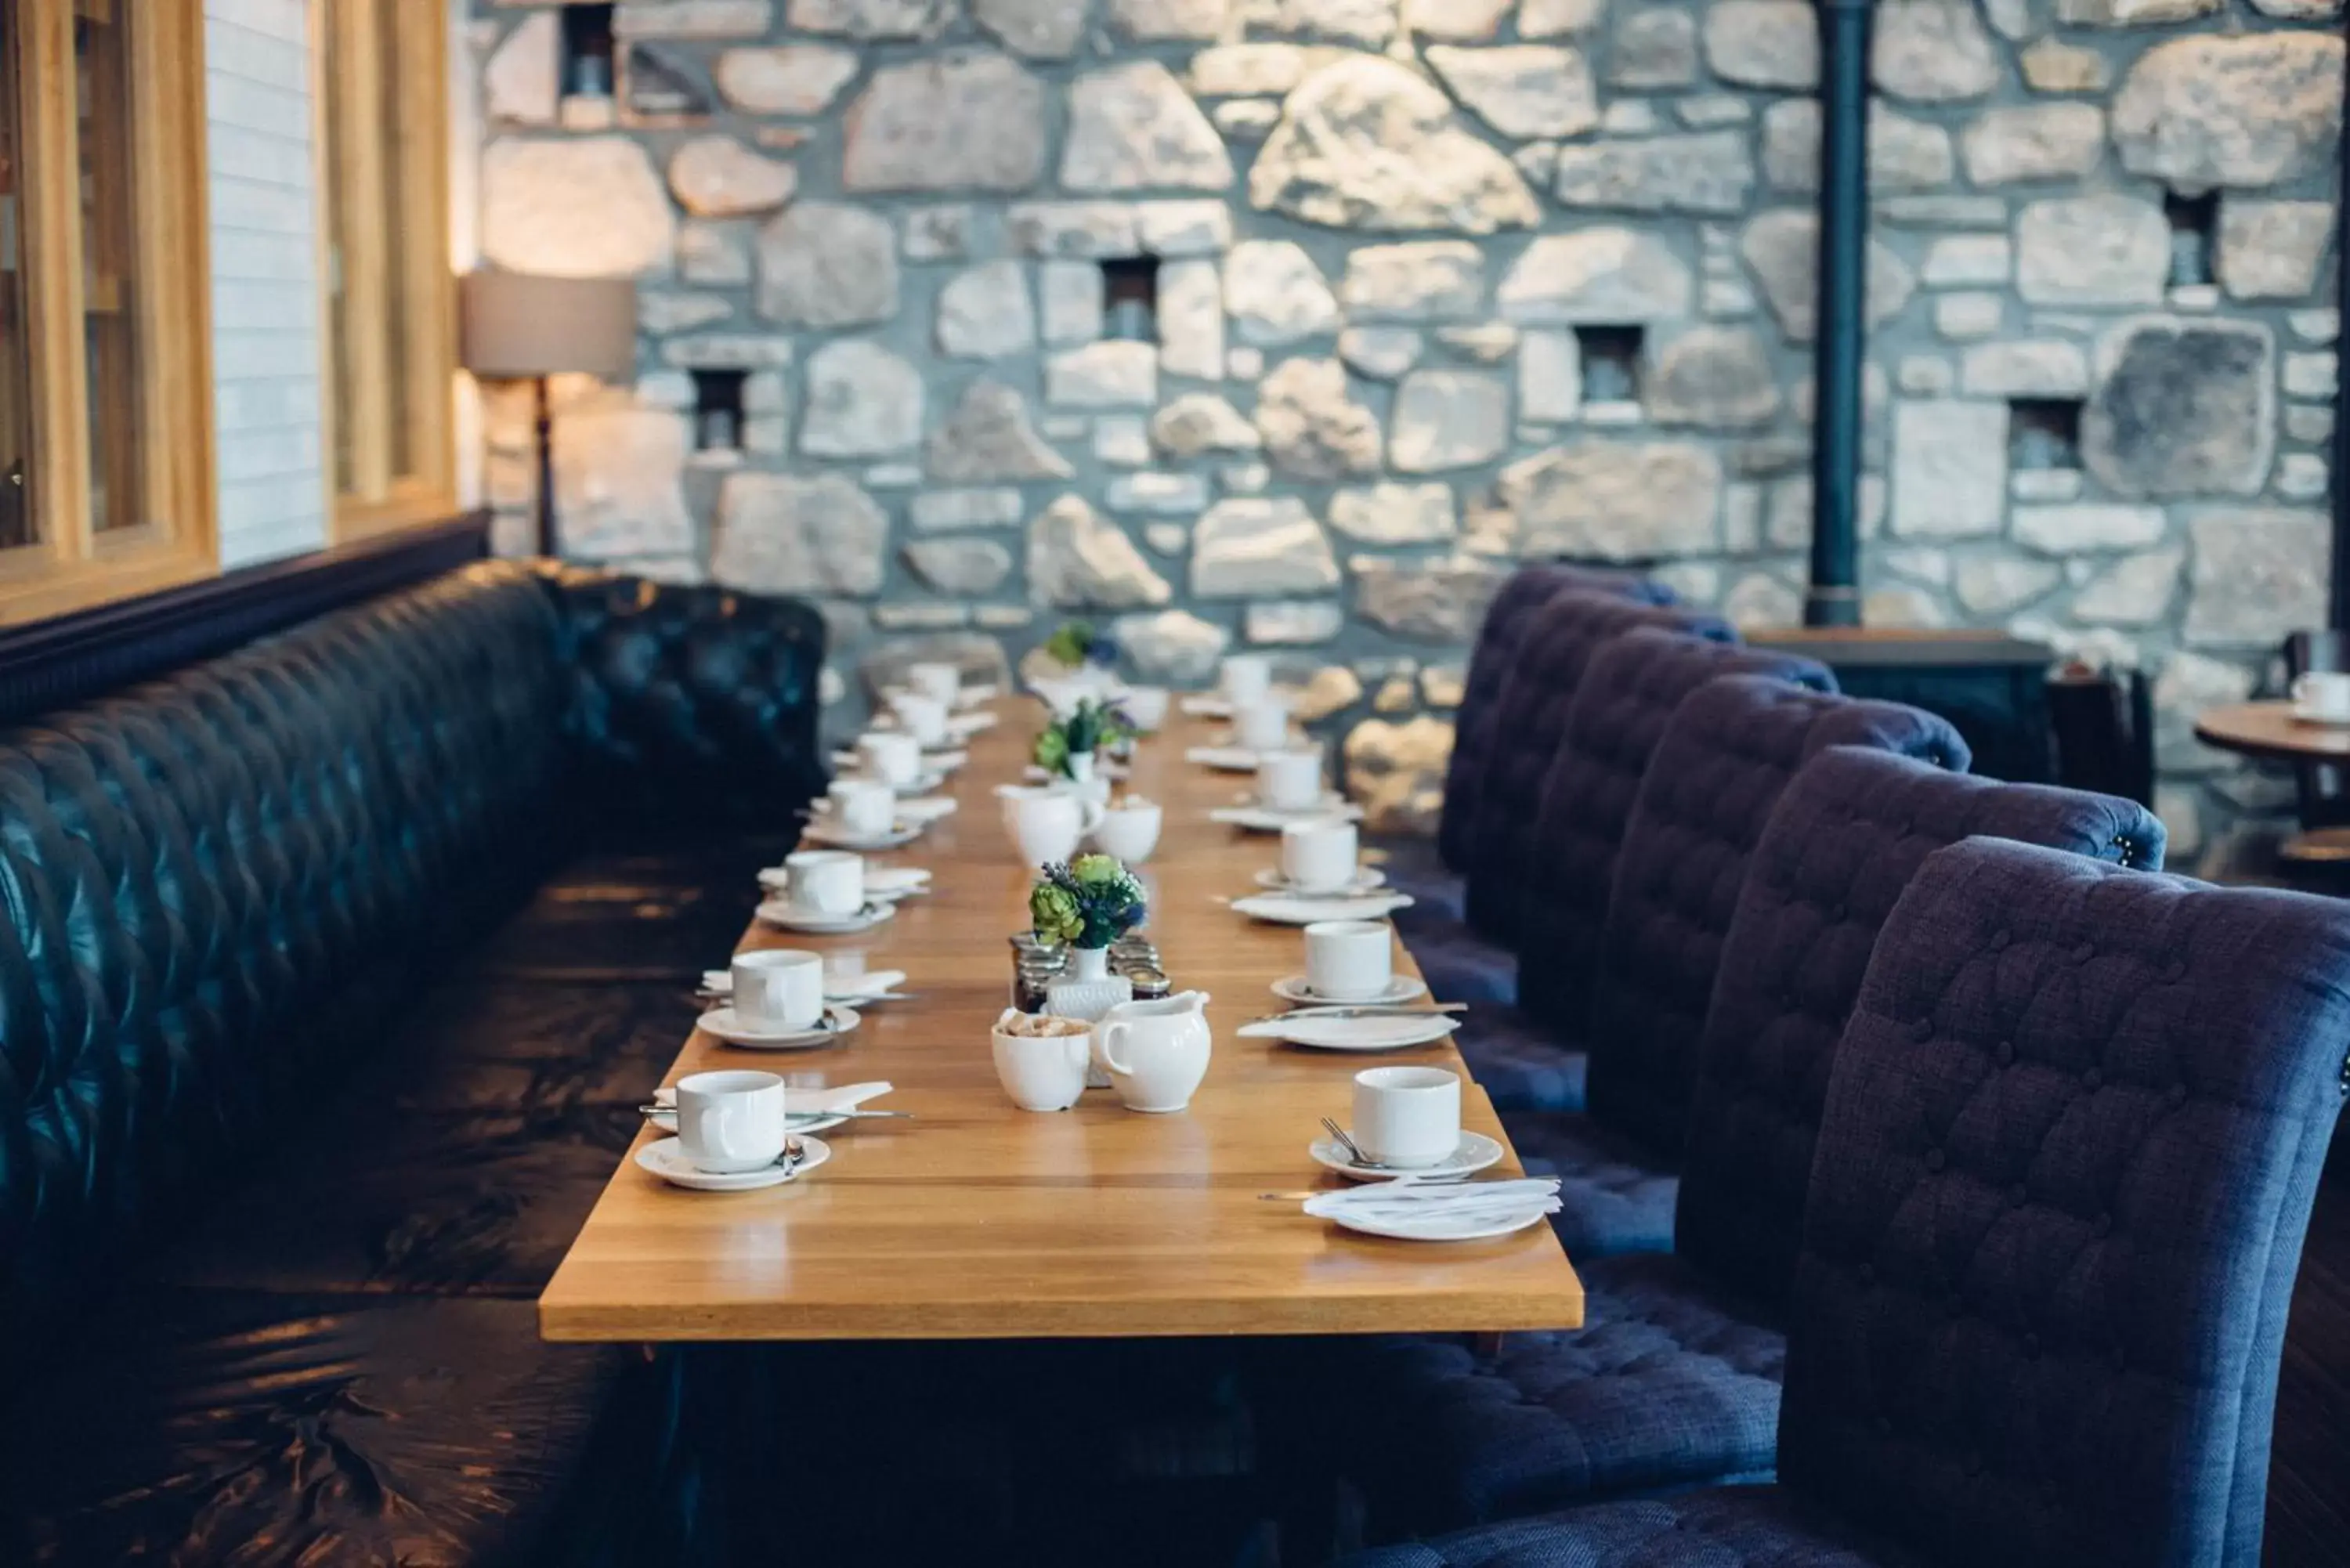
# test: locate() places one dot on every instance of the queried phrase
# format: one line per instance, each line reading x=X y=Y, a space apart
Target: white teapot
x=1156 y=1052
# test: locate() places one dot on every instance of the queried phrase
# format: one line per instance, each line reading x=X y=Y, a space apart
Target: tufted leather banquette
x=230 y=1136
x=2070 y=1145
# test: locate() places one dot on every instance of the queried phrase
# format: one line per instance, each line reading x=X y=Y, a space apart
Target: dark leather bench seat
x=323 y=1021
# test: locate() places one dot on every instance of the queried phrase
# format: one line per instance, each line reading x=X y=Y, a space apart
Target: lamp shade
x=518 y=326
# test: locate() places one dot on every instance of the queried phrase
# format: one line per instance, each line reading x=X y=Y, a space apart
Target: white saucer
x=838 y=1023
x=778 y=912
x=925 y=809
x=820 y=830
x=1329 y=802
x=1264 y=819
x=1399 y=988
x=1438 y=1226
x=1389 y=1032
x=1223 y=759
x=1299 y=910
x=2301 y=715
x=665 y=1159
x=1205 y=705
x=1474 y=1153
x=970 y=696
x=1367 y=879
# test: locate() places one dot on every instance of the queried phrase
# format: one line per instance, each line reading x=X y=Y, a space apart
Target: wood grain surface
x=2269 y=729
x=977 y=1219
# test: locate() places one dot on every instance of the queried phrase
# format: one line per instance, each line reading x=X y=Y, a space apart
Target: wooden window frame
x=350 y=160
x=70 y=566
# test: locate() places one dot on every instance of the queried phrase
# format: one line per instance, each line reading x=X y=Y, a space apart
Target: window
x=391 y=321
x=104 y=384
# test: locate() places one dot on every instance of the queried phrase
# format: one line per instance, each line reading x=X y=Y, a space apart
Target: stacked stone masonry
x=1439 y=286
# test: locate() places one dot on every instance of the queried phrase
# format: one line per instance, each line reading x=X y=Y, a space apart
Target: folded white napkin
x=802 y=1102
x=925 y=808
x=1363 y=1034
x=1410 y=1196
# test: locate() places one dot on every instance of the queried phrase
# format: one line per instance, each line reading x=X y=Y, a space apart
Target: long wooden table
x=977 y=1219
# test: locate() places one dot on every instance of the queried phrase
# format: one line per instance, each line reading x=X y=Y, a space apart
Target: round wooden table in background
x=2269 y=729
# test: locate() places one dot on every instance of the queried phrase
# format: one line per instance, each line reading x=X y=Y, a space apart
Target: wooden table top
x=981 y=1220
x=2269 y=729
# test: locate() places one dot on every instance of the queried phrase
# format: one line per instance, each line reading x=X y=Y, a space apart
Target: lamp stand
x=546 y=426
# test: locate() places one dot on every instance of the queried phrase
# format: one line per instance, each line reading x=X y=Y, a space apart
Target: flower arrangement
x=1088 y=903
x=1077 y=643
x=1090 y=727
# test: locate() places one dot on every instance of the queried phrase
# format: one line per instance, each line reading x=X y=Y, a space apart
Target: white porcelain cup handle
x=2300 y=689
x=1110 y=1032
x=1094 y=814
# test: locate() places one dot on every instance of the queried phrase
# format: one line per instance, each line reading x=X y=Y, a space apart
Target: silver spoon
x=1353 y=1152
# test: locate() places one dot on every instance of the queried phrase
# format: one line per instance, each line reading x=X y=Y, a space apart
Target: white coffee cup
x=1043 y=1071
x=1261 y=725
x=865 y=807
x=1289 y=779
x=892 y=756
x=1348 y=961
x=1047 y=824
x=1319 y=856
x=1406 y=1116
x=923 y=717
x=778 y=987
x=1245 y=678
x=730 y=1122
x=826 y=882
x=1130 y=831
x=1146 y=706
x=2322 y=694
x=942 y=683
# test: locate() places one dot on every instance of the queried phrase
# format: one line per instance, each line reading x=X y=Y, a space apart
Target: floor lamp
x=521 y=328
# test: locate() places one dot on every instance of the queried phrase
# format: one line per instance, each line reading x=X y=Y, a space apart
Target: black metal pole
x=546 y=471
x=2337 y=598
x=1834 y=598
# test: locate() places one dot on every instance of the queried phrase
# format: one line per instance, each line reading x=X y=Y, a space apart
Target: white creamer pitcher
x=1157 y=1052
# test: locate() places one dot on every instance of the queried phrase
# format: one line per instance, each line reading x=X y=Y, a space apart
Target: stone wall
x=1439 y=285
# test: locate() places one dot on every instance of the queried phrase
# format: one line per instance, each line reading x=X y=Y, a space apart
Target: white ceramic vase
x=1087 y=990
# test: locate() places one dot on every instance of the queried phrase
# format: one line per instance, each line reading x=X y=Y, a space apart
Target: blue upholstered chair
x=1489 y=661
x=1531 y=1057
x=1674 y=1378
x=1478 y=961
x=1728 y=753
x=2070 y=1144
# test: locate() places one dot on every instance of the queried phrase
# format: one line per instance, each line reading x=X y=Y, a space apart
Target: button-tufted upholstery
x=1667 y=1383
x=1488 y=668
x=224 y=893
x=2071 y=1142
x=1521 y=1065
x=2072 y=1139
x=1728 y=752
x=1846 y=837
x=1627 y=696
x=1529 y=719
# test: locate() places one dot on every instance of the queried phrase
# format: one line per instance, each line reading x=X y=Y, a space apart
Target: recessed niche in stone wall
x=2043 y=434
x=588 y=74
x=2194 y=221
x=1130 y=298
x=718 y=409
x=1611 y=363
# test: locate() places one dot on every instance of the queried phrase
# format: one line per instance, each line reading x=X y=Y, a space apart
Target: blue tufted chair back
x=1529 y=721
x=1489 y=667
x=1846 y=837
x=2071 y=1143
x=1619 y=711
x=1726 y=754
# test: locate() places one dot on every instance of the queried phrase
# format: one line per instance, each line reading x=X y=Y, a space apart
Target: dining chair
x=1488 y=668
x=2069 y=1148
x=1530 y=1056
x=1475 y=960
x=1728 y=754
x=1673 y=1379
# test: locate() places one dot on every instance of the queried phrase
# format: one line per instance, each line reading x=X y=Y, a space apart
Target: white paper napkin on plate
x=926 y=808
x=1393 y=1032
x=1406 y=1198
